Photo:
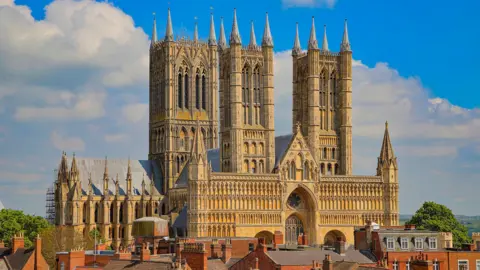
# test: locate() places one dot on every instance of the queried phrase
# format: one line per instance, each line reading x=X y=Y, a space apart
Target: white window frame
x=432 y=240
x=477 y=264
x=407 y=265
x=395 y=265
x=436 y=264
x=391 y=241
x=419 y=240
x=462 y=261
x=404 y=240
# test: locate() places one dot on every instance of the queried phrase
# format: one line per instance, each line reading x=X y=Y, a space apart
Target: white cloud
x=309 y=3
x=80 y=47
x=64 y=143
x=114 y=138
x=135 y=112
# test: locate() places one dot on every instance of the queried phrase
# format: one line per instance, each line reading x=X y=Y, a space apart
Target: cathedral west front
x=215 y=167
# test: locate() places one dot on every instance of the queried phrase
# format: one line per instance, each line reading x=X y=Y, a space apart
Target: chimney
x=226 y=250
x=215 y=249
x=262 y=247
x=410 y=227
x=2 y=245
x=195 y=255
x=18 y=242
x=468 y=247
x=421 y=262
x=76 y=257
x=256 y=264
x=144 y=253
x=122 y=254
x=368 y=232
x=38 y=252
x=327 y=263
x=315 y=266
x=340 y=247
x=278 y=238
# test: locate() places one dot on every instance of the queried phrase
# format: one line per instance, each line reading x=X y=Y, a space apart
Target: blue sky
x=75 y=78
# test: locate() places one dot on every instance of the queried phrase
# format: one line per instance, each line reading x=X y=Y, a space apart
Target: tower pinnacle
x=253 y=40
x=235 y=35
x=297 y=49
x=154 y=30
x=267 y=35
x=325 y=41
x=212 y=39
x=195 y=32
x=222 y=42
x=312 y=42
x=345 y=46
x=169 y=31
x=386 y=153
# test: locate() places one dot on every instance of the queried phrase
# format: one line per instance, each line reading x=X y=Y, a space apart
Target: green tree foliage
x=437 y=217
x=56 y=239
x=15 y=221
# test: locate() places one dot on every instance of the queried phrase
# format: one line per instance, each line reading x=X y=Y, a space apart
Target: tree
x=437 y=217
x=56 y=239
x=14 y=221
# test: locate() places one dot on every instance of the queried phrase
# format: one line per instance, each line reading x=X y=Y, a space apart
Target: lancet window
x=187 y=90
x=204 y=91
x=245 y=94
x=257 y=96
x=180 y=88
x=197 y=90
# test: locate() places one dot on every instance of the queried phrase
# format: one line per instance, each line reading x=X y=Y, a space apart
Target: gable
x=297 y=155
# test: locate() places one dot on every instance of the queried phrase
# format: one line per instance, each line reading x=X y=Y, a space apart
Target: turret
x=169 y=30
x=268 y=97
x=267 y=40
x=75 y=179
x=235 y=38
x=387 y=162
x=313 y=111
x=195 y=33
x=345 y=105
x=198 y=156
x=212 y=39
x=297 y=49
x=154 y=31
x=129 y=179
x=222 y=42
x=105 y=178
x=325 y=41
x=253 y=40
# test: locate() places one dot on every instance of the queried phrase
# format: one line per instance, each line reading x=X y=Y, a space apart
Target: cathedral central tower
x=183 y=88
x=247 y=133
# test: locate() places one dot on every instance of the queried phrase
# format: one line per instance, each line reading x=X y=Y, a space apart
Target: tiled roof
x=18 y=259
x=127 y=264
x=181 y=221
x=216 y=264
x=305 y=257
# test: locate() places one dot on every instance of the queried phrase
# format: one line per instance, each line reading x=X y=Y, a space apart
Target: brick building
x=20 y=258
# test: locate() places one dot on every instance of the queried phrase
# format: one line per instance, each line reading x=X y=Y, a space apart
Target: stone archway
x=332 y=236
x=268 y=236
x=293 y=228
x=301 y=213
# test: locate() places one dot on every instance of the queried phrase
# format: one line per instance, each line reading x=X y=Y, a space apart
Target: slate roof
x=281 y=145
x=18 y=259
x=139 y=168
x=149 y=265
x=305 y=257
x=181 y=221
x=216 y=264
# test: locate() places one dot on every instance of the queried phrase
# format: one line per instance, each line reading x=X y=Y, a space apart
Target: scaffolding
x=50 y=202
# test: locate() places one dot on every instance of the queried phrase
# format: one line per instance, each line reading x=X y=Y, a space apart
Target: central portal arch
x=293 y=228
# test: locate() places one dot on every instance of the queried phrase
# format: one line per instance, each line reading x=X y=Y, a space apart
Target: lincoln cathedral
x=215 y=167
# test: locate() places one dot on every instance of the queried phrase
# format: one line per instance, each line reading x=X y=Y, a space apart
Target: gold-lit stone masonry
x=234 y=176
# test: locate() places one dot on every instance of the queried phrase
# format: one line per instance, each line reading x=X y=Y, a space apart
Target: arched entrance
x=293 y=228
x=268 y=236
x=332 y=236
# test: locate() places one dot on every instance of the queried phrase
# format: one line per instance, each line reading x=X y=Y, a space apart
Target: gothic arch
x=332 y=236
x=308 y=194
x=267 y=235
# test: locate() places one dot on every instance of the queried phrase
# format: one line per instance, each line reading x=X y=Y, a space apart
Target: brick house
x=20 y=258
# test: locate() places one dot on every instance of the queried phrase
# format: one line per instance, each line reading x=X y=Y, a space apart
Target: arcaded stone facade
x=231 y=177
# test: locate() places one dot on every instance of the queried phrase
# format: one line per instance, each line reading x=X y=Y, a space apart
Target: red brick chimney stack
x=195 y=255
x=215 y=249
x=2 y=245
x=315 y=265
x=144 y=253
x=38 y=251
x=262 y=246
x=18 y=242
x=226 y=250
x=327 y=263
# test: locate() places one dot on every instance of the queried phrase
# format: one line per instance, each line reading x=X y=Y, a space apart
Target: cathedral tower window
x=293 y=170
x=204 y=91
x=245 y=93
x=261 y=167
x=97 y=213
x=111 y=214
x=245 y=148
x=333 y=88
x=137 y=210
x=333 y=153
x=245 y=165
x=120 y=213
x=180 y=88
x=85 y=213
x=325 y=153
x=322 y=168
x=306 y=171
x=254 y=167
x=197 y=90
x=187 y=92
x=329 y=169
x=336 y=168
x=257 y=96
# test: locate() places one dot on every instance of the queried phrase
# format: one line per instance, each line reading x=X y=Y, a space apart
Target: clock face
x=294 y=200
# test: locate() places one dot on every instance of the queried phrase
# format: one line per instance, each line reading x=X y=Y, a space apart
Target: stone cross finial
x=298 y=126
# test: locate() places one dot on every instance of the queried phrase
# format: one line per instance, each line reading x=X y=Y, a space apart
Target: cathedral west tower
x=322 y=101
x=247 y=133
x=183 y=88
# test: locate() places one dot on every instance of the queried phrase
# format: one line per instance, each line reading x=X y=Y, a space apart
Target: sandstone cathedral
x=216 y=169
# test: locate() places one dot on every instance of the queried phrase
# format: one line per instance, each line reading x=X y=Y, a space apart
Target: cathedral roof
x=281 y=145
x=181 y=221
x=141 y=169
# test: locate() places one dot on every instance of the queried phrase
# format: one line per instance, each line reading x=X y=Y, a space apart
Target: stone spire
x=267 y=36
x=90 y=188
x=195 y=32
x=297 y=49
x=154 y=31
x=169 y=31
x=74 y=169
x=312 y=42
x=345 y=46
x=105 y=178
x=253 y=40
x=212 y=39
x=222 y=42
x=198 y=148
x=386 y=153
x=325 y=41
x=143 y=185
x=105 y=171
x=235 y=35
x=63 y=173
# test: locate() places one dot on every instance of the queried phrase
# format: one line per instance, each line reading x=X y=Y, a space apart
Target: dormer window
x=432 y=243
x=404 y=243
x=418 y=243
x=390 y=243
